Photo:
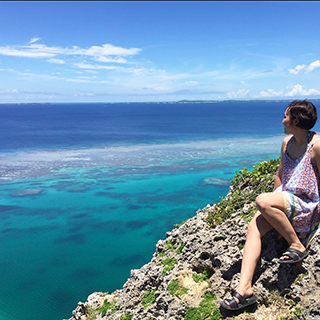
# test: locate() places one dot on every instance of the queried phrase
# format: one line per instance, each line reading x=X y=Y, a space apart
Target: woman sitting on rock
x=293 y=208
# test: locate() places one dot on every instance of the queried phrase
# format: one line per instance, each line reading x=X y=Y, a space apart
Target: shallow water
x=77 y=221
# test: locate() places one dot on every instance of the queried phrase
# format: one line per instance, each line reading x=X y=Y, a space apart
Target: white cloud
x=110 y=50
x=134 y=71
x=83 y=65
x=10 y=92
x=312 y=66
x=86 y=80
x=8 y=70
x=89 y=71
x=191 y=82
x=104 y=53
x=30 y=76
x=34 y=39
x=271 y=93
x=108 y=59
x=57 y=76
x=11 y=51
x=297 y=90
x=57 y=61
x=238 y=94
x=306 y=68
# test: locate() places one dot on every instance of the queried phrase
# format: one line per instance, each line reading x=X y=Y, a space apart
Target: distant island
x=154 y=102
x=228 y=101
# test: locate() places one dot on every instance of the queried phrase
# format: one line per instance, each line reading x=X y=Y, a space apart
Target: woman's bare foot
x=299 y=247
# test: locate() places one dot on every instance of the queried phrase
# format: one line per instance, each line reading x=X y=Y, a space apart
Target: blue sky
x=127 y=51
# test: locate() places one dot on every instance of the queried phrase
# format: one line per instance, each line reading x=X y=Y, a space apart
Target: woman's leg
x=257 y=228
x=271 y=206
x=271 y=215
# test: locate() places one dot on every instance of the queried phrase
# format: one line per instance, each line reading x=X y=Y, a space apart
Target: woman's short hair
x=305 y=112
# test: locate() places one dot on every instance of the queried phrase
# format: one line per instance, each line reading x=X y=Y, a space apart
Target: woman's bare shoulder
x=285 y=141
x=316 y=143
x=316 y=151
x=287 y=138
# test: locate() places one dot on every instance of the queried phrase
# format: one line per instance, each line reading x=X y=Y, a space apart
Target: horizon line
x=164 y=102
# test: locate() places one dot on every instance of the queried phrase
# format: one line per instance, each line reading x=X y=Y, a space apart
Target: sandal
x=243 y=302
x=294 y=255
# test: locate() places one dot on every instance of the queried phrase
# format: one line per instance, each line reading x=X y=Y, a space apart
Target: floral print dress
x=300 y=188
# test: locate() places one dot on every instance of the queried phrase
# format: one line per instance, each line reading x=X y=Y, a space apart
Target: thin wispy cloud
x=108 y=59
x=57 y=61
x=34 y=39
x=83 y=65
x=127 y=71
x=30 y=52
x=48 y=77
x=100 y=53
x=102 y=49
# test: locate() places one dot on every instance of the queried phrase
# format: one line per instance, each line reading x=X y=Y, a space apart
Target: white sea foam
x=194 y=153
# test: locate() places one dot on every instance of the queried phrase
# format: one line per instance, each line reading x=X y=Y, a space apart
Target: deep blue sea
x=87 y=190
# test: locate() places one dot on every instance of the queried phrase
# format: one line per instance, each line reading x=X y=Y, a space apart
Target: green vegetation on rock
x=300 y=277
x=169 y=246
x=177 y=225
x=179 y=251
x=201 y=277
x=108 y=308
x=245 y=187
x=297 y=312
x=207 y=309
x=169 y=263
x=176 y=289
x=126 y=316
x=148 y=298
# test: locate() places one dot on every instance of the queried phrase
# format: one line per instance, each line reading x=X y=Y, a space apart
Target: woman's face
x=288 y=124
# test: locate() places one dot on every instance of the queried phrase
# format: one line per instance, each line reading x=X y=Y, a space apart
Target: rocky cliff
x=198 y=264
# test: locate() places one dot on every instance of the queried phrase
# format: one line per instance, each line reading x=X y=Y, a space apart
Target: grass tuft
x=201 y=277
x=169 y=246
x=176 y=289
x=148 y=298
x=245 y=187
x=169 y=264
x=179 y=251
x=108 y=308
x=126 y=316
x=206 y=310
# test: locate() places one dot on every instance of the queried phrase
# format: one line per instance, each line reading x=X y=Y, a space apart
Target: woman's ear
x=295 y=121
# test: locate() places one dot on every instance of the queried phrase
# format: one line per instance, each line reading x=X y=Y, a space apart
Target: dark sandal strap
x=293 y=254
x=242 y=300
x=295 y=251
x=233 y=303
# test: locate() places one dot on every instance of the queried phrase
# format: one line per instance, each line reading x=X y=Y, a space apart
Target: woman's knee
x=263 y=202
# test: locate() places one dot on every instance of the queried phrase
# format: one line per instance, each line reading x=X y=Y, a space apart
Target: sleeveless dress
x=300 y=188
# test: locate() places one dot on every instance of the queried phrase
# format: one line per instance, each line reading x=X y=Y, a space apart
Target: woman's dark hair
x=305 y=112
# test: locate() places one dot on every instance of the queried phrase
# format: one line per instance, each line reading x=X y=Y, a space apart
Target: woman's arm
x=278 y=180
x=316 y=155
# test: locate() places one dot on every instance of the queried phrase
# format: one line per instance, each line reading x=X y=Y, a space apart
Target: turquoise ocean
x=87 y=190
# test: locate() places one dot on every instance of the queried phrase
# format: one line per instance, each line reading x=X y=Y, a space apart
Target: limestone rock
x=195 y=249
